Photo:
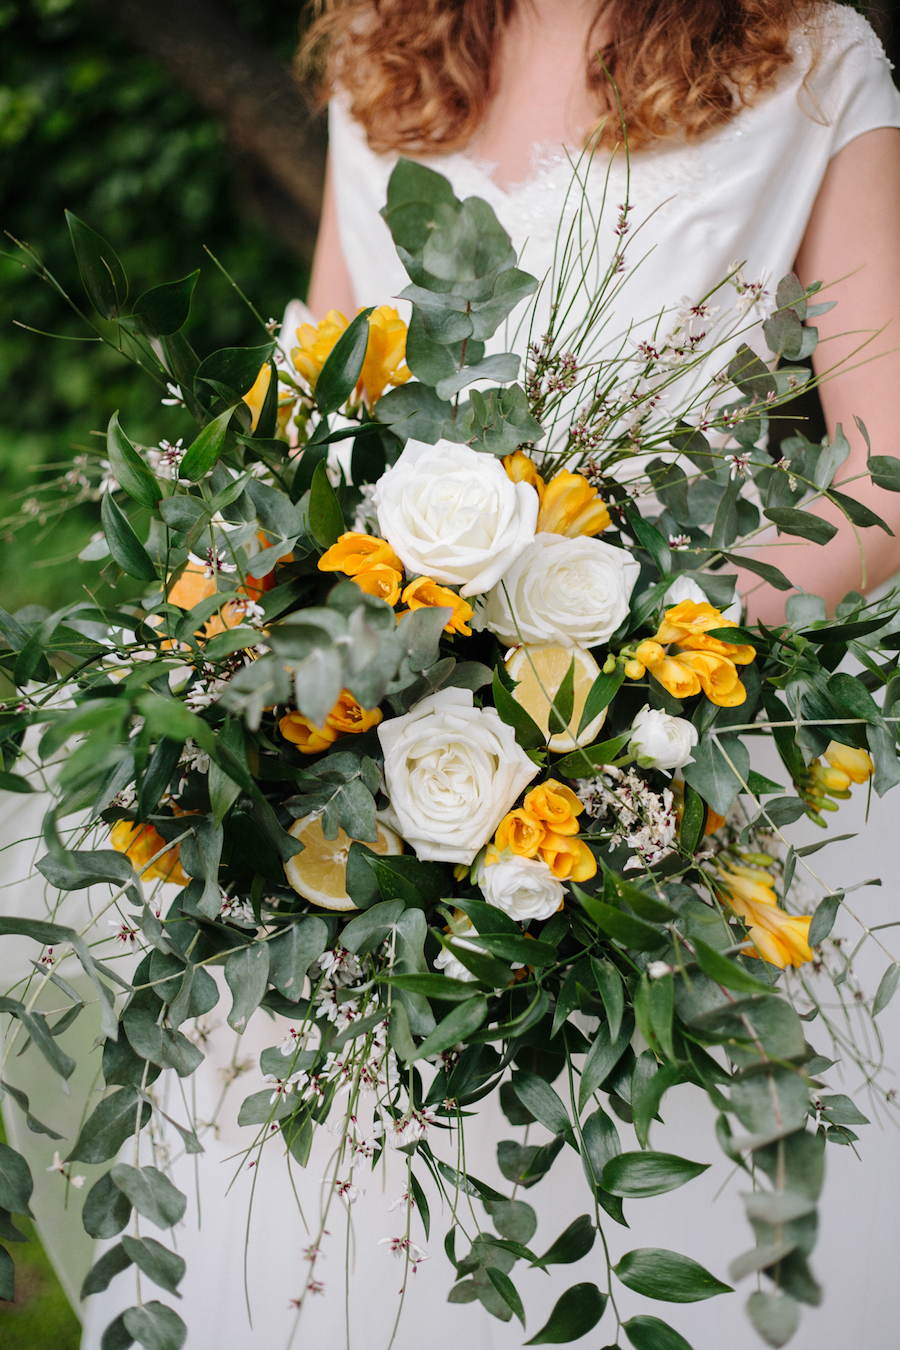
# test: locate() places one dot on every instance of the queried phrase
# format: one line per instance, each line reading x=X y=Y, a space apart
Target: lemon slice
x=319 y=873
x=540 y=671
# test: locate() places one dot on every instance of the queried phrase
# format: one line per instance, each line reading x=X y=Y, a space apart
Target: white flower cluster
x=639 y=817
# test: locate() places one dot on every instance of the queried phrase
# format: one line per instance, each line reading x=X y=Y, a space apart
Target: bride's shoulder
x=832 y=30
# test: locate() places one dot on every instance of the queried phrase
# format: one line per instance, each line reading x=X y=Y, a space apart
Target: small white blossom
x=283 y=1086
x=639 y=817
x=658 y=970
x=58 y=1165
x=176 y=397
x=402 y=1247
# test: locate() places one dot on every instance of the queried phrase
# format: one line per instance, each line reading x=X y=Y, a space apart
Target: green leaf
x=343 y=366
x=711 y=774
x=617 y=924
x=155 y=1327
x=823 y=918
x=165 y=1268
x=101 y=272
x=129 y=470
x=765 y=570
x=232 y=371
x=726 y=971
x=603 y=1057
x=609 y=985
x=886 y=989
x=857 y=513
x=538 y=1097
x=563 y=702
x=247 y=974
x=16 y=1184
x=852 y=697
x=13 y=782
x=165 y=309
x=102 y=1272
x=364 y=933
x=802 y=523
x=513 y=1219
x=431 y=986
x=574 y=1314
x=124 y=545
x=202 y=453
x=657 y=1273
x=21 y=1098
x=151 y=1193
x=291 y=953
x=106 y=1209
x=507 y=1291
x=572 y=1244
x=775 y=1316
x=650 y=1333
x=750 y=374
x=600 y=695
x=637 y=1175
x=108 y=1126
x=7 y=1275
x=885 y=471
x=693 y=820
x=585 y=763
x=326 y=523
x=456 y=1026
x=117 y=1336
x=528 y=733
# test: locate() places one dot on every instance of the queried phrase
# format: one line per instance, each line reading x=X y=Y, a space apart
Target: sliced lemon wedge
x=540 y=671
x=319 y=873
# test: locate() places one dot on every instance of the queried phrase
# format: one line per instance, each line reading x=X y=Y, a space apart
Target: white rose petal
x=454 y=514
x=452 y=967
x=452 y=771
x=659 y=741
x=524 y=888
x=571 y=591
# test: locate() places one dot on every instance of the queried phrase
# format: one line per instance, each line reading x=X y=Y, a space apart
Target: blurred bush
x=88 y=125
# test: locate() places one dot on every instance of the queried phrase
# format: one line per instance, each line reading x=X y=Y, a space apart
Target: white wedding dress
x=743 y=193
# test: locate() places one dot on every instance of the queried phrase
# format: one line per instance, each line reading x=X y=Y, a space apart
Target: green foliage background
x=88 y=125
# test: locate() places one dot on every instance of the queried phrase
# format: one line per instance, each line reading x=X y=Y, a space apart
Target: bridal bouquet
x=436 y=709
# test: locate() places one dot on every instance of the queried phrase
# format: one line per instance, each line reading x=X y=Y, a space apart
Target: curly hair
x=419 y=73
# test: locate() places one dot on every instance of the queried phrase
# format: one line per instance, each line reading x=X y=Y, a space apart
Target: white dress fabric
x=742 y=193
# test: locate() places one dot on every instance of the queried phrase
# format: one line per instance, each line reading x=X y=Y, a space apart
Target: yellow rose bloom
x=570 y=506
x=521 y=469
x=427 y=594
x=780 y=938
x=521 y=832
x=856 y=764
x=556 y=805
x=139 y=843
x=385 y=361
x=568 y=859
x=354 y=551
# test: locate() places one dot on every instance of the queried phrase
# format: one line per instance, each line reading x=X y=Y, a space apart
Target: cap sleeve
x=850 y=84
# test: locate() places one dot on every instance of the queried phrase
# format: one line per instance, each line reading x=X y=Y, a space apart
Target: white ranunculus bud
x=451 y=772
x=453 y=514
x=569 y=591
x=659 y=741
x=524 y=888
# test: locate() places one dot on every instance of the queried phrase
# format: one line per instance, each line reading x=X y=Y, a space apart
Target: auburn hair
x=419 y=74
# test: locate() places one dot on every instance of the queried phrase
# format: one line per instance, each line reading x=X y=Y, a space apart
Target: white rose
x=524 y=888
x=659 y=741
x=451 y=772
x=686 y=588
x=454 y=514
x=571 y=591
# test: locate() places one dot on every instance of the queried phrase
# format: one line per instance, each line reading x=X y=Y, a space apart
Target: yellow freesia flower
x=423 y=593
x=354 y=552
x=139 y=843
x=856 y=764
x=521 y=469
x=385 y=359
x=347 y=718
x=255 y=396
x=316 y=345
x=778 y=937
x=556 y=805
x=570 y=506
x=717 y=675
x=521 y=832
x=381 y=581
x=688 y=624
x=568 y=859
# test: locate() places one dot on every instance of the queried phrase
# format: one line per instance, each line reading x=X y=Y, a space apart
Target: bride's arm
x=329 y=284
x=853 y=239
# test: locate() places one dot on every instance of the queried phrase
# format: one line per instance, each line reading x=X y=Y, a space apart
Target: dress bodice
x=743 y=193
